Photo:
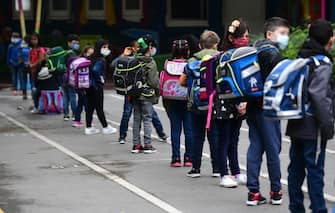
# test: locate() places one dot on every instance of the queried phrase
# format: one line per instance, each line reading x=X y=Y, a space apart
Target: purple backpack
x=79 y=73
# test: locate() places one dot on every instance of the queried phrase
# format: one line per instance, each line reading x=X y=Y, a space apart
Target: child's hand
x=242 y=108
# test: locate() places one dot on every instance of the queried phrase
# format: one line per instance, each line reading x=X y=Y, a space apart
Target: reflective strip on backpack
x=234 y=80
x=131 y=69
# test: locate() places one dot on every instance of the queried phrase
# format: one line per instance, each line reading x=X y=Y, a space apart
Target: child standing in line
x=95 y=94
x=209 y=42
x=264 y=134
x=82 y=100
x=180 y=117
x=25 y=71
x=309 y=135
x=143 y=106
x=228 y=130
x=14 y=61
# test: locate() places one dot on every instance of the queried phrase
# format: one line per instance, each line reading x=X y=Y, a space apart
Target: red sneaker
x=176 y=162
x=187 y=162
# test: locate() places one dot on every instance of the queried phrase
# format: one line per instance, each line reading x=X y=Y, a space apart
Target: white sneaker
x=91 y=131
x=241 y=179
x=109 y=130
x=228 y=181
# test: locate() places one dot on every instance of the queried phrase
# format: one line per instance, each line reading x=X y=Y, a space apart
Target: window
x=27 y=6
x=132 y=10
x=59 y=9
x=96 y=9
x=195 y=15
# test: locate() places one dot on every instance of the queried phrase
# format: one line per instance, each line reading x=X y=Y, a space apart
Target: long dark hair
x=97 y=54
x=236 y=29
x=180 y=49
x=38 y=36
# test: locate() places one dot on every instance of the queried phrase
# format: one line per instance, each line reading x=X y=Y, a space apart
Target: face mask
x=153 y=52
x=105 y=52
x=24 y=45
x=282 y=41
x=14 y=40
x=240 y=42
x=75 y=46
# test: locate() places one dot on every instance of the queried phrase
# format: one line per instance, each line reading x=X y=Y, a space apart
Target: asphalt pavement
x=48 y=166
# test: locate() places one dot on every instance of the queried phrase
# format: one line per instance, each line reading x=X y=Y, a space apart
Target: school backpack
x=79 y=73
x=129 y=76
x=197 y=79
x=238 y=74
x=56 y=59
x=285 y=89
x=50 y=101
x=170 y=87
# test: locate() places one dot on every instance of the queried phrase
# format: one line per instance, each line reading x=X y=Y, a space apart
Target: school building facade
x=166 y=18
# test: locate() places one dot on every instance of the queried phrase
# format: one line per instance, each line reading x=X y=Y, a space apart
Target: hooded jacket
x=321 y=97
x=14 y=54
x=267 y=60
x=151 y=78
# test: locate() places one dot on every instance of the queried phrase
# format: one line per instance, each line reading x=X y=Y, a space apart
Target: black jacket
x=321 y=96
x=267 y=60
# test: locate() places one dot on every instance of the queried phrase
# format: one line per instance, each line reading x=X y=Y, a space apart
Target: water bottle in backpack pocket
x=170 y=87
x=286 y=88
x=128 y=76
x=238 y=75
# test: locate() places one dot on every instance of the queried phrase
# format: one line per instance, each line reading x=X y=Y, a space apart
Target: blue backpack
x=238 y=74
x=285 y=89
x=198 y=97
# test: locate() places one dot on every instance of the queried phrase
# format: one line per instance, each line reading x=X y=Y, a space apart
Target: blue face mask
x=282 y=41
x=76 y=46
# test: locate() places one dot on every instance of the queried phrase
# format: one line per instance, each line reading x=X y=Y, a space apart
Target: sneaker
x=33 y=110
x=163 y=137
x=216 y=173
x=241 y=179
x=194 y=173
x=66 y=118
x=276 y=198
x=149 y=149
x=25 y=97
x=176 y=162
x=77 y=124
x=228 y=181
x=73 y=118
x=187 y=162
x=91 y=131
x=122 y=140
x=255 y=199
x=137 y=149
x=14 y=92
x=109 y=130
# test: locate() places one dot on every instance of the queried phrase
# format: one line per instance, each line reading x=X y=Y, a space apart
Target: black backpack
x=129 y=76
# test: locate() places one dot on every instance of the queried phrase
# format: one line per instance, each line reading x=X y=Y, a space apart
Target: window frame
x=132 y=15
x=28 y=15
x=96 y=14
x=59 y=15
x=171 y=22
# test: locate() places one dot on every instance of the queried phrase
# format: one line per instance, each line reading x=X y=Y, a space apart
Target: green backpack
x=56 y=59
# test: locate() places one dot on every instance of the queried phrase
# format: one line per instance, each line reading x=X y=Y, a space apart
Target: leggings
x=95 y=101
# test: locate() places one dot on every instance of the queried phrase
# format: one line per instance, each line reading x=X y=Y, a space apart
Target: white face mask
x=153 y=52
x=105 y=52
x=14 y=40
x=282 y=41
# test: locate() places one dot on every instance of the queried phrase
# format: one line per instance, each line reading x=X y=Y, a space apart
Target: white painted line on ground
x=103 y=172
x=119 y=97
x=328 y=197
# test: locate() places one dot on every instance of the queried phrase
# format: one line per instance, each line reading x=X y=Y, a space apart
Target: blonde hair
x=209 y=39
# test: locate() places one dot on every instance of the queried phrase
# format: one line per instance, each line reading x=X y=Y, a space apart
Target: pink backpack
x=79 y=73
x=170 y=87
x=51 y=101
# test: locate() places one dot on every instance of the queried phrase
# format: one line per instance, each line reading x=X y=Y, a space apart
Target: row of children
x=136 y=77
x=219 y=113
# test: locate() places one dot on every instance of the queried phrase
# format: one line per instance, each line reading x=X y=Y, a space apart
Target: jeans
x=180 y=118
x=228 y=131
x=304 y=162
x=142 y=112
x=16 y=77
x=127 y=111
x=95 y=101
x=69 y=98
x=199 y=133
x=82 y=103
x=264 y=136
